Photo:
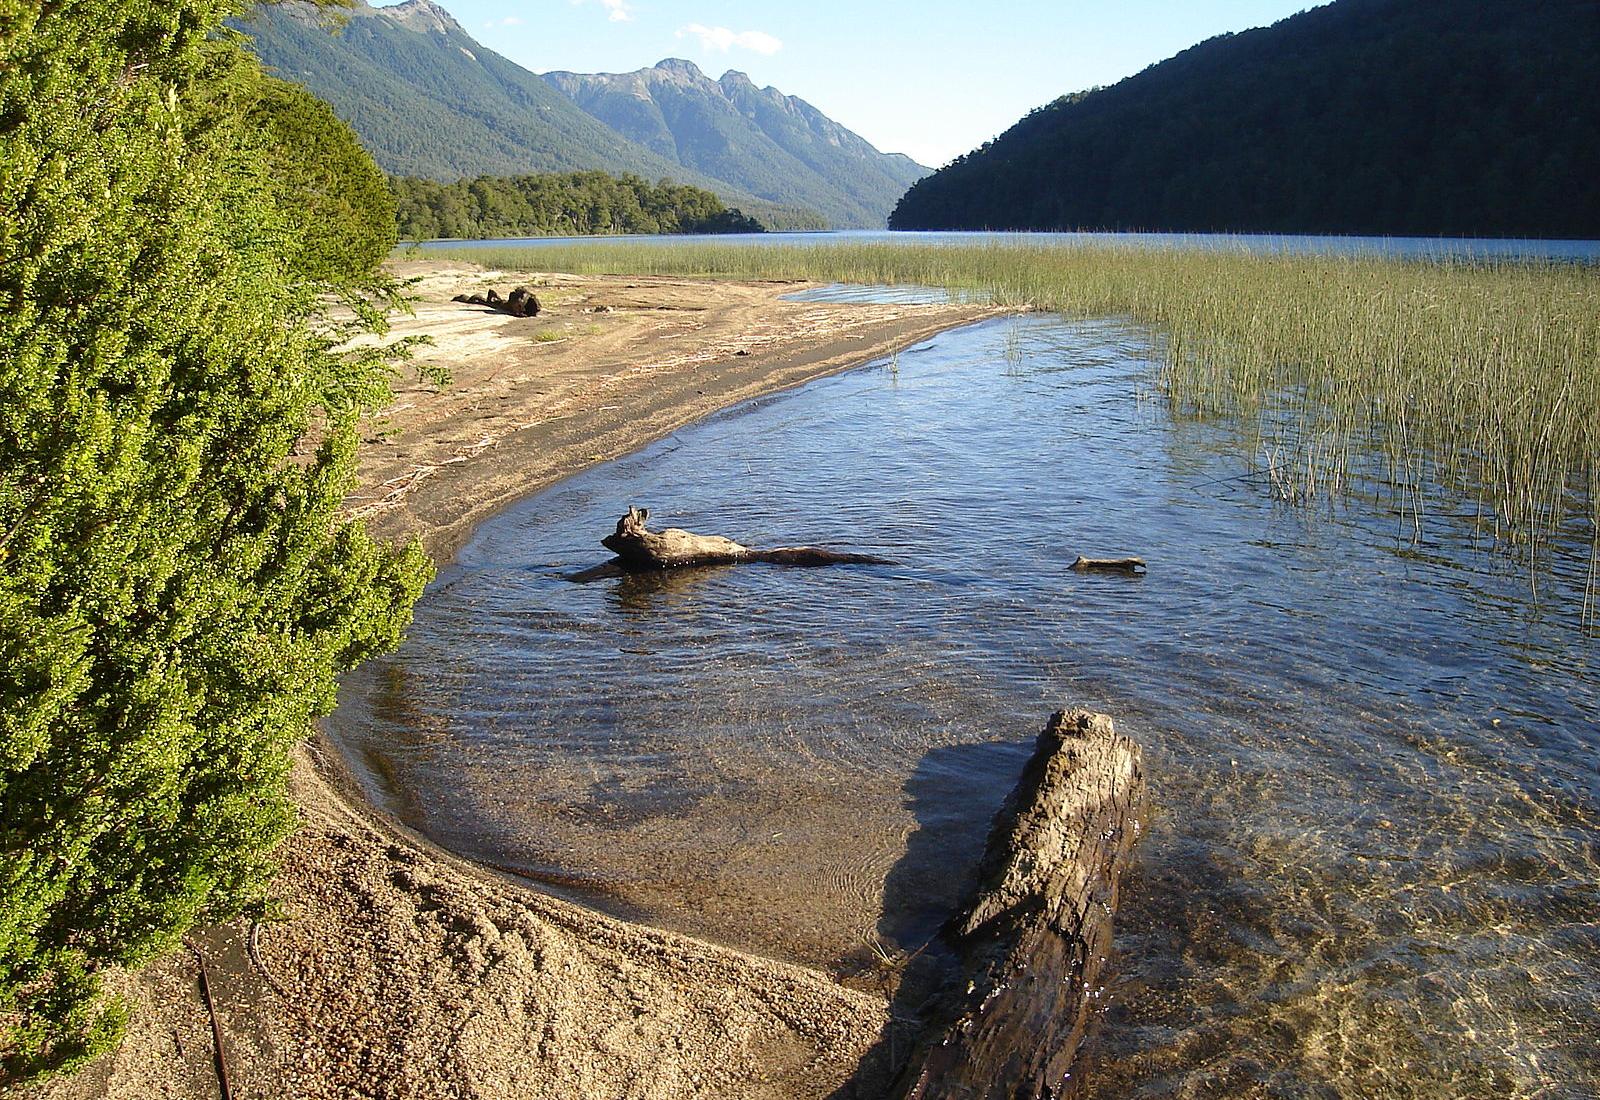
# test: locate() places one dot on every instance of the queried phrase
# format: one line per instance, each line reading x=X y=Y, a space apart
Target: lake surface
x=1372 y=860
x=1416 y=248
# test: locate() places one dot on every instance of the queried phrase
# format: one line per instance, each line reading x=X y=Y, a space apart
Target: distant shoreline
x=1396 y=248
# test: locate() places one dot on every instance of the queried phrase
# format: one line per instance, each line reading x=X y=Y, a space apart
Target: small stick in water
x=1109 y=565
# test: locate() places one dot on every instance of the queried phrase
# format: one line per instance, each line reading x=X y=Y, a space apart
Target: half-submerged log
x=1109 y=565
x=637 y=548
x=670 y=548
x=1037 y=932
x=522 y=302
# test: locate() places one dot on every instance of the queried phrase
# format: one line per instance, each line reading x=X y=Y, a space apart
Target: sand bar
x=406 y=972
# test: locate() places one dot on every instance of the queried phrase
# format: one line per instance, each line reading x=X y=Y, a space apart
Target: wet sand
x=403 y=971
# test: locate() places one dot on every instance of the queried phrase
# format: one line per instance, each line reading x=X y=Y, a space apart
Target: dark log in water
x=1037 y=932
x=1109 y=565
x=638 y=549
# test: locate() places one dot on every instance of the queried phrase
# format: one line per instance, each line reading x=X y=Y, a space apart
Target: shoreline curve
x=404 y=970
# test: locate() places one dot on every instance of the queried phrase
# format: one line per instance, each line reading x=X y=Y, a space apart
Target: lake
x=1371 y=864
x=1413 y=248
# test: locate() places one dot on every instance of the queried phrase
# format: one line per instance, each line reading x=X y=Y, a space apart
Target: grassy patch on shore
x=1483 y=378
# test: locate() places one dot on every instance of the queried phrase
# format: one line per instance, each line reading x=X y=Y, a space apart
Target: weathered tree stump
x=522 y=302
x=671 y=548
x=638 y=548
x=1037 y=932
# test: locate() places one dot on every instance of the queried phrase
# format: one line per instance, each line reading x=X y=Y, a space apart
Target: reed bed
x=1481 y=379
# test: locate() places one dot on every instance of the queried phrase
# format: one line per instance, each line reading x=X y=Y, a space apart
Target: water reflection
x=1371 y=865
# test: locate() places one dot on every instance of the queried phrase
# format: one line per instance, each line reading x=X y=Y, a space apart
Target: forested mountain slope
x=429 y=101
x=1448 y=117
x=776 y=146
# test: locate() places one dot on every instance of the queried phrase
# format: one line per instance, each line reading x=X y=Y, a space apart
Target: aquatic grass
x=1479 y=378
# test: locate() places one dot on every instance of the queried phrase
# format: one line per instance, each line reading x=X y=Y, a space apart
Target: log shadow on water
x=954 y=795
x=647 y=590
x=638 y=590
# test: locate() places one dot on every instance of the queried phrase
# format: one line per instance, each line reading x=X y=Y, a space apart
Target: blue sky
x=932 y=78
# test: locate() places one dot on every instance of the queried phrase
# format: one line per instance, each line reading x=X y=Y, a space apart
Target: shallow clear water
x=1430 y=248
x=905 y=295
x=1372 y=865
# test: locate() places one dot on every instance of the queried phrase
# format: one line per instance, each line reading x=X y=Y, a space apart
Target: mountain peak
x=421 y=15
x=678 y=67
x=776 y=147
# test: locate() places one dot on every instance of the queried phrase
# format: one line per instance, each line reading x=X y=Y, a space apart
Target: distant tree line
x=1425 y=117
x=559 y=204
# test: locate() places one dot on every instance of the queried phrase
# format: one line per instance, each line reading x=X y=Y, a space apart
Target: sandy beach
x=399 y=970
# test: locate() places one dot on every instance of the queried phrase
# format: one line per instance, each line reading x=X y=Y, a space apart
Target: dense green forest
x=774 y=145
x=1426 y=117
x=177 y=433
x=430 y=101
x=549 y=204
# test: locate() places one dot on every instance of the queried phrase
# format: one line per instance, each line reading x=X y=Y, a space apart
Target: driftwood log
x=1109 y=565
x=522 y=302
x=639 y=549
x=1034 y=938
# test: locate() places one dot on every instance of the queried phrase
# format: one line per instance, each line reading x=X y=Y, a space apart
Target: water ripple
x=1371 y=864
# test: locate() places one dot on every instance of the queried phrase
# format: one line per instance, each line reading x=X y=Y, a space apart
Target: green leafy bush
x=339 y=203
x=177 y=592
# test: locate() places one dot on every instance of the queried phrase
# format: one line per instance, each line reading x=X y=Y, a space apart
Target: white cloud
x=617 y=11
x=721 y=39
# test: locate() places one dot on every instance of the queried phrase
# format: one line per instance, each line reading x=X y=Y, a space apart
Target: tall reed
x=1483 y=377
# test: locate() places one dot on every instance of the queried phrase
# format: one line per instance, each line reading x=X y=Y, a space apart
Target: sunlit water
x=1370 y=865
